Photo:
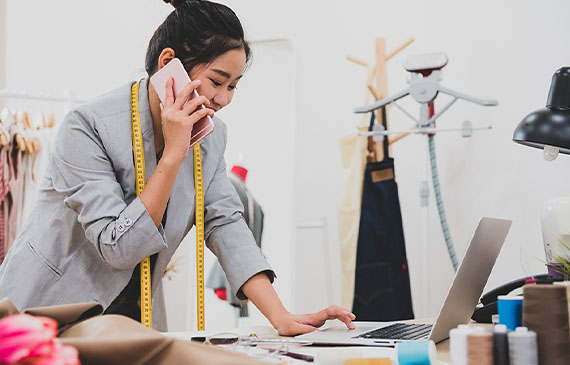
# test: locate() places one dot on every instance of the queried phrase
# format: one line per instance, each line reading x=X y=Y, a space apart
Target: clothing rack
x=68 y=99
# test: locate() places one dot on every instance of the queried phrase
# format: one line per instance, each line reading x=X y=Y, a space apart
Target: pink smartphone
x=174 y=69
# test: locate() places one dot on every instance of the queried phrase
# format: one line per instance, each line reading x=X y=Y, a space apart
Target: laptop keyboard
x=399 y=331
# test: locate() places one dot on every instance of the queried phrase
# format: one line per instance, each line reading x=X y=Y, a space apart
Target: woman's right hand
x=178 y=117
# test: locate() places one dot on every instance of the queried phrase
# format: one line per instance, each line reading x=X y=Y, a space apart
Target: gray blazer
x=88 y=230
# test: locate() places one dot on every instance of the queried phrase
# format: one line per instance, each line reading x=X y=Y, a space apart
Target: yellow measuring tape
x=199 y=188
x=138 y=152
x=140 y=179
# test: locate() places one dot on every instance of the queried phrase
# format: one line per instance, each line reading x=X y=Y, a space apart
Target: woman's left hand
x=296 y=324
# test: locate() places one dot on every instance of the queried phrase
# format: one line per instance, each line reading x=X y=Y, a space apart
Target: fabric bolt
x=353 y=152
x=546 y=311
x=103 y=228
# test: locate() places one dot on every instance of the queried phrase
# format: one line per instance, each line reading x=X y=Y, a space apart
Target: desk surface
x=269 y=332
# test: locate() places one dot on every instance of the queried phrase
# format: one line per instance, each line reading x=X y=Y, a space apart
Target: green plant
x=561 y=264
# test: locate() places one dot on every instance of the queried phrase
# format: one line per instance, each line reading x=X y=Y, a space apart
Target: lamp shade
x=549 y=126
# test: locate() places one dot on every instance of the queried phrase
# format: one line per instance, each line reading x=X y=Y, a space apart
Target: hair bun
x=175 y=3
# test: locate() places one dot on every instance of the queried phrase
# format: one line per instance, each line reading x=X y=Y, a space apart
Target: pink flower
x=28 y=339
x=58 y=355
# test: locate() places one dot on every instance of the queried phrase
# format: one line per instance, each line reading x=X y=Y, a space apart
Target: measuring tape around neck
x=199 y=188
x=140 y=180
x=138 y=152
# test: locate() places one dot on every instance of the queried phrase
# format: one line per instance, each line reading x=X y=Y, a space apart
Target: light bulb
x=550 y=152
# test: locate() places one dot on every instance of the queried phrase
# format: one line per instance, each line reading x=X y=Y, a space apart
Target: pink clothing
x=12 y=200
x=4 y=190
x=20 y=175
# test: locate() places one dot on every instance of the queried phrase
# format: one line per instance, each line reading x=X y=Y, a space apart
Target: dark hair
x=198 y=31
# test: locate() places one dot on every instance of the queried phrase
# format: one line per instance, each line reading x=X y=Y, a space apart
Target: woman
x=88 y=230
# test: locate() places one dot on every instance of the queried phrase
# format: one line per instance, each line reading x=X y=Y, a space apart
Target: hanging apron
x=382 y=282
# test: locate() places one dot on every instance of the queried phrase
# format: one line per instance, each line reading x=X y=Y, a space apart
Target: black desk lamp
x=549 y=128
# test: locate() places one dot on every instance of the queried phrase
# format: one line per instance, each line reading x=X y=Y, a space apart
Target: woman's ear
x=166 y=56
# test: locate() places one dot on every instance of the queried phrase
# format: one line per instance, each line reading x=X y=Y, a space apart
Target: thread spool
x=480 y=347
x=500 y=345
x=416 y=353
x=546 y=312
x=523 y=349
x=510 y=311
x=458 y=344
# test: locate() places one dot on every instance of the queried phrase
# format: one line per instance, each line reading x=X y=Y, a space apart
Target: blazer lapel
x=147 y=130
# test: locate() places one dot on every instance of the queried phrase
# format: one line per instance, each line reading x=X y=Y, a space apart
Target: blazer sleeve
x=123 y=234
x=227 y=234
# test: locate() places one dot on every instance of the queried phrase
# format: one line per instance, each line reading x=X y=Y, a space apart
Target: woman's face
x=220 y=78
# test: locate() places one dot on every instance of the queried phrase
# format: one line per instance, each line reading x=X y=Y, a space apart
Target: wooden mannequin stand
x=378 y=71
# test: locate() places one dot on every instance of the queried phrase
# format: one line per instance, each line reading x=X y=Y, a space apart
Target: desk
x=269 y=332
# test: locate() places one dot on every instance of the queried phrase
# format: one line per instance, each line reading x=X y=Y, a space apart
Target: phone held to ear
x=488 y=303
x=175 y=70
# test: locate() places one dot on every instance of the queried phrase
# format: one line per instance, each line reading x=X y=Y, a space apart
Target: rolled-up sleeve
x=124 y=234
x=228 y=236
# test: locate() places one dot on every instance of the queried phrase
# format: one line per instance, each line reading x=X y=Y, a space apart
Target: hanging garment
x=4 y=189
x=13 y=199
x=34 y=166
x=2 y=221
x=382 y=282
x=353 y=151
x=253 y=214
x=24 y=165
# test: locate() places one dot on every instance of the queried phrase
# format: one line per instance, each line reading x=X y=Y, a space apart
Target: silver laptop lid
x=471 y=277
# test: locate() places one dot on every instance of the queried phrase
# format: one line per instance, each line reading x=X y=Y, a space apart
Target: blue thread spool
x=510 y=311
x=416 y=353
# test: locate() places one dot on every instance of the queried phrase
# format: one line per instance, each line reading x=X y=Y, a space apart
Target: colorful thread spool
x=546 y=312
x=523 y=349
x=500 y=345
x=458 y=344
x=416 y=353
x=479 y=347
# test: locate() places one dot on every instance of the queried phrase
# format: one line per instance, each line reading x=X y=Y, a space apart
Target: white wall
x=504 y=50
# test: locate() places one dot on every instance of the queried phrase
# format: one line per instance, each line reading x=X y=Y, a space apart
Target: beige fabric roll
x=353 y=151
x=113 y=339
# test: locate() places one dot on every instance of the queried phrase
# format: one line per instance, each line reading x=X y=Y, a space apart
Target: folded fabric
x=67 y=315
x=7 y=308
x=114 y=339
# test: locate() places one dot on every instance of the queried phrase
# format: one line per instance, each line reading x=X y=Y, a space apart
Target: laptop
x=462 y=297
